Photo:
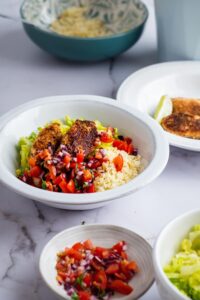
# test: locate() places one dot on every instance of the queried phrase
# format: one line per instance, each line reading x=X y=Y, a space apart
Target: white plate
x=105 y=236
x=143 y=89
x=147 y=135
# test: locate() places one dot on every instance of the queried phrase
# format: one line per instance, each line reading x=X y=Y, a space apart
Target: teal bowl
x=126 y=19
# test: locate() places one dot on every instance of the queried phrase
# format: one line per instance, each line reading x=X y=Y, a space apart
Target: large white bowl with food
x=102 y=236
x=167 y=245
x=146 y=134
x=143 y=89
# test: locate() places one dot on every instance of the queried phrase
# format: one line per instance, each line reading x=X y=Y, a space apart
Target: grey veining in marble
x=25 y=226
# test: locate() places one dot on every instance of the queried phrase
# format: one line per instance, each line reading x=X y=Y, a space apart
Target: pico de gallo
x=89 y=272
x=67 y=156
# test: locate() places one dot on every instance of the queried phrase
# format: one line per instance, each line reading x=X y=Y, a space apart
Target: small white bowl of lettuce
x=176 y=258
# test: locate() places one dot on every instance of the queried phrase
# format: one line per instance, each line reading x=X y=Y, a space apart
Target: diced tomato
x=74 y=253
x=91 y=188
x=63 y=275
x=87 y=175
x=106 y=138
x=130 y=149
x=118 y=162
x=106 y=253
x=35 y=171
x=59 y=178
x=112 y=269
x=119 y=246
x=120 y=276
x=32 y=162
x=128 y=140
x=49 y=186
x=96 y=265
x=73 y=164
x=78 y=247
x=72 y=175
x=52 y=171
x=132 y=266
x=87 y=279
x=124 y=255
x=120 y=145
x=116 y=143
x=71 y=186
x=120 y=287
x=99 y=251
x=84 y=295
x=100 y=280
x=60 y=267
x=124 y=270
x=63 y=186
x=67 y=159
x=88 y=245
x=80 y=156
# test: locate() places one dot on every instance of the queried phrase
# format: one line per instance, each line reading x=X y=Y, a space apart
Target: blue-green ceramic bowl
x=126 y=19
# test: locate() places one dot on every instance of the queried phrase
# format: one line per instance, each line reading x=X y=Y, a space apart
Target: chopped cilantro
x=44 y=185
x=74 y=296
x=79 y=280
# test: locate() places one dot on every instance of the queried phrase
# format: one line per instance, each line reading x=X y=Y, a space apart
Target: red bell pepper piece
x=120 y=287
x=71 y=186
x=118 y=162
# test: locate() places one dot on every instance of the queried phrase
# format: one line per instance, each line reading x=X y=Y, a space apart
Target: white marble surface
x=25 y=226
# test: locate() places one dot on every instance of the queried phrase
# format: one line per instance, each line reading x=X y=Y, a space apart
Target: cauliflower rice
x=110 y=178
x=73 y=22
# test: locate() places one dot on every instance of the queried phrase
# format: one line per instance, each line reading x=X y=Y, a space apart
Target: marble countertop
x=25 y=226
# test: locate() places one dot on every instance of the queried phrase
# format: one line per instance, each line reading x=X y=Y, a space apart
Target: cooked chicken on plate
x=186 y=105
x=182 y=124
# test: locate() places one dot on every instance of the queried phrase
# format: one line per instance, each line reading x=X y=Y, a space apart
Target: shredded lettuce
x=69 y=121
x=64 y=128
x=99 y=126
x=24 y=147
x=184 y=268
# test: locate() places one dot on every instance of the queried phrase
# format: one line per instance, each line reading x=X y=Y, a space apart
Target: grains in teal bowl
x=124 y=21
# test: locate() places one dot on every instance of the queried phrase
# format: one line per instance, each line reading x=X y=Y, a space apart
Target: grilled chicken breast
x=48 y=136
x=81 y=136
x=183 y=124
x=185 y=105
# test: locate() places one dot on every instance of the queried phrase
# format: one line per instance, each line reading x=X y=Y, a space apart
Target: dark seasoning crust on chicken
x=80 y=137
x=185 y=118
x=49 y=136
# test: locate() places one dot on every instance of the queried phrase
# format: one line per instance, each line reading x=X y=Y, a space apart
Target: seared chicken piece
x=182 y=124
x=185 y=105
x=48 y=136
x=81 y=136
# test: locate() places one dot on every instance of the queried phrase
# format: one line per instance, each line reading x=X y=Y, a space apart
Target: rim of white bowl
x=122 y=229
x=155 y=254
x=159 y=70
x=152 y=171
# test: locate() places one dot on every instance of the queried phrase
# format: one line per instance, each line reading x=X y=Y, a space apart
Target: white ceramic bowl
x=106 y=236
x=144 y=88
x=146 y=134
x=166 y=246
